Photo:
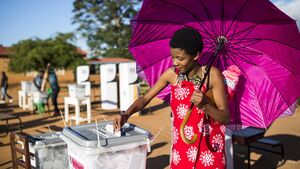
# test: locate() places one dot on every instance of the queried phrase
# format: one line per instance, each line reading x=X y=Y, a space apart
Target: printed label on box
x=76 y=164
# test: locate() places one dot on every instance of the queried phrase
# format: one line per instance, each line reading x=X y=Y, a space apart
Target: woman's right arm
x=142 y=101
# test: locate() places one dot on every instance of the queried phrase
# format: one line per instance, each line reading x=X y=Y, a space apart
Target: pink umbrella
x=259 y=38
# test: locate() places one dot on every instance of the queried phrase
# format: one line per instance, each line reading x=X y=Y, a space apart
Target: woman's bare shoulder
x=214 y=71
x=170 y=75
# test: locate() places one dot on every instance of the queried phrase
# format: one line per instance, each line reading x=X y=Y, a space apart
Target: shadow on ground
x=291 y=152
x=156 y=146
x=152 y=109
x=158 y=162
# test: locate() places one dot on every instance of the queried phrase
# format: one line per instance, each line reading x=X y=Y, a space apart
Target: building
x=4 y=58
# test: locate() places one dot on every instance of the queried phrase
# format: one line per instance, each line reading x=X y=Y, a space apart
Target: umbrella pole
x=221 y=43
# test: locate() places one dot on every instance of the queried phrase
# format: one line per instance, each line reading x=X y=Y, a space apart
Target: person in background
x=4 y=86
x=198 y=126
x=52 y=78
x=37 y=81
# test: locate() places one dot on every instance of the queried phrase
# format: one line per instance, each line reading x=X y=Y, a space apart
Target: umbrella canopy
x=260 y=39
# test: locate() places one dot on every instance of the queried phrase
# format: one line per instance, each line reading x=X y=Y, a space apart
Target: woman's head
x=186 y=44
x=189 y=40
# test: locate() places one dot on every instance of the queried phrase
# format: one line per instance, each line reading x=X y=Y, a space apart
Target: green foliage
x=35 y=54
x=105 y=24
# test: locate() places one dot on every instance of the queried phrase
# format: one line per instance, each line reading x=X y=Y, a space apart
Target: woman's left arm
x=221 y=112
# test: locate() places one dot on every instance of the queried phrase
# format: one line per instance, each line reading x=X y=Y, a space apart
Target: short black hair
x=187 y=39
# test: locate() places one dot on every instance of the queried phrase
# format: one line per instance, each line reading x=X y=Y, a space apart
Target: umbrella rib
x=287 y=68
x=276 y=41
x=241 y=57
x=211 y=43
x=236 y=16
x=267 y=76
x=239 y=33
x=225 y=59
x=244 y=73
x=149 y=21
x=249 y=29
x=211 y=48
x=195 y=16
x=222 y=18
x=163 y=21
x=147 y=42
x=153 y=63
x=212 y=24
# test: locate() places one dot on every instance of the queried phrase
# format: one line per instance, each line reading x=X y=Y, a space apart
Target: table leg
x=248 y=152
x=20 y=99
x=89 y=113
x=66 y=111
x=77 y=112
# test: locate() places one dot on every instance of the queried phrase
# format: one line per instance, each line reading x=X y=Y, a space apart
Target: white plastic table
x=77 y=102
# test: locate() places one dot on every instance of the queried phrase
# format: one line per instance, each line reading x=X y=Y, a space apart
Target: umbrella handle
x=221 y=43
x=182 y=135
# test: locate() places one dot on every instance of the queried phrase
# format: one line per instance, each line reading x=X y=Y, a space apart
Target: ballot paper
x=110 y=129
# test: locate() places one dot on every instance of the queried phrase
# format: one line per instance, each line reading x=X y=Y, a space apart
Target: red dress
x=208 y=151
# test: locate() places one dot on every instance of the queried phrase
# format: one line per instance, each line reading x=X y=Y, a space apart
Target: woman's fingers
x=117 y=123
x=197 y=97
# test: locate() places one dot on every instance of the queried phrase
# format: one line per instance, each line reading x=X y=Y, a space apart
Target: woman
x=4 y=86
x=206 y=120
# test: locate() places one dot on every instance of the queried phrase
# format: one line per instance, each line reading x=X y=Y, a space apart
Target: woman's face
x=182 y=60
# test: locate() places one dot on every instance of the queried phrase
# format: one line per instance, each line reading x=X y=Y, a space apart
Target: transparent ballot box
x=50 y=152
x=92 y=146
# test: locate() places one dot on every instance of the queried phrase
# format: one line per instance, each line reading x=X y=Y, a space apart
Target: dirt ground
x=156 y=119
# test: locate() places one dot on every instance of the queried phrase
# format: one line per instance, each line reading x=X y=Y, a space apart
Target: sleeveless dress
x=208 y=151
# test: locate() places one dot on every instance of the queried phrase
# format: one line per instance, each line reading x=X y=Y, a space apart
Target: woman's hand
x=199 y=99
x=119 y=121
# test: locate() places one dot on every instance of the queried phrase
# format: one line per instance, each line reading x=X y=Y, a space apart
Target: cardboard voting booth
x=128 y=87
x=82 y=78
x=109 y=86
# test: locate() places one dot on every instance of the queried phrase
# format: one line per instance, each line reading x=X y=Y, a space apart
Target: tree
x=105 y=24
x=35 y=54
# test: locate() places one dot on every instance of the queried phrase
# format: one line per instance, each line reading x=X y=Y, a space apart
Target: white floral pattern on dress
x=175 y=135
x=181 y=93
x=223 y=129
x=182 y=110
x=188 y=132
x=200 y=124
x=223 y=160
x=199 y=111
x=216 y=123
x=207 y=158
x=206 y=129
x=175 y=157
x=192 y=154
x=217 y=143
